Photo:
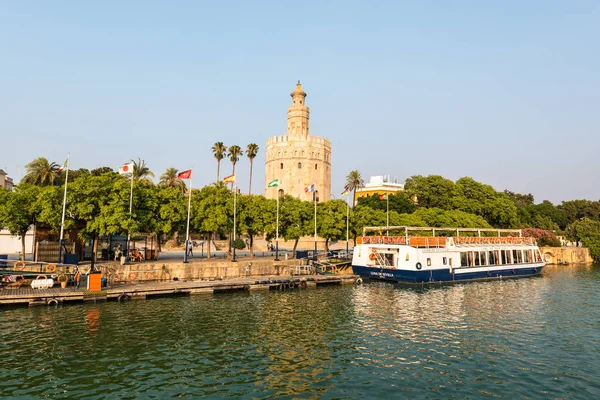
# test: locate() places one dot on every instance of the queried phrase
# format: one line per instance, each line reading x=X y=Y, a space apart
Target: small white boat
x=431 y=259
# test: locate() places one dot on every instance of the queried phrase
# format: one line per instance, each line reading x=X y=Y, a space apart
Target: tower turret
x=298 y=114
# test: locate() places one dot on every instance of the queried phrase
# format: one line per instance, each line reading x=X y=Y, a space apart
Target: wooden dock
x=140 y=291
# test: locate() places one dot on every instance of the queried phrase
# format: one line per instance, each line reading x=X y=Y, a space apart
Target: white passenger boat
x=430 y=259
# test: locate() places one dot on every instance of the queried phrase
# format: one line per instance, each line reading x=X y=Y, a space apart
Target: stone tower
x=298 y=159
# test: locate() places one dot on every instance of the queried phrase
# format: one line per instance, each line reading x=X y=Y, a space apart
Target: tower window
x=300 y=101
x=281 y=166
x=316 y=165
x=299 y=165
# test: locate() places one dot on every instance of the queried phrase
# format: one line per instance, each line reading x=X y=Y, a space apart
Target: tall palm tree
x=41 y=172
x=354 y=181
x=141 y=171
x=251 y=151
x=169 y=179
x=219 y=150
x=234 y=154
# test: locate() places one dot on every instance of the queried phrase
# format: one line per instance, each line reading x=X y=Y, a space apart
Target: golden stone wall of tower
x=298 y=159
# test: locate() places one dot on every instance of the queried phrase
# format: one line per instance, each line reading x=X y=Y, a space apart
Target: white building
x=12 y=244
x=380 y=184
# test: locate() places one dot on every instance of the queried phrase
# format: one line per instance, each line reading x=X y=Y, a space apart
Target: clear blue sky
x=507 y=92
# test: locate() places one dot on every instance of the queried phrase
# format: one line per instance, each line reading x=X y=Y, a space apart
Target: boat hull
x=444 y=275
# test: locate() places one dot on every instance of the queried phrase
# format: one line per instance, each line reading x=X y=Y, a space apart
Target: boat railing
x=427 y=241
x=493 y=240
x=381 y=240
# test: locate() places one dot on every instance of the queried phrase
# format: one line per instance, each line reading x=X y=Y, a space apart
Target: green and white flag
x=274 y=183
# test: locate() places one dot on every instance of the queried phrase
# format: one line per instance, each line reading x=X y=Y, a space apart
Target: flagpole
x=234 y=220
x=315 y=201
x=187 y=232
x=62 y=222
x=129 y=227
x=347 y=225
x=277 y=229
x=387 y=197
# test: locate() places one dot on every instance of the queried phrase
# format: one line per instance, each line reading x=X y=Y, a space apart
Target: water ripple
x=528 y=338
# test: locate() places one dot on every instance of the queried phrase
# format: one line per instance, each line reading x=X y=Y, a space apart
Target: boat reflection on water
x=451 y=314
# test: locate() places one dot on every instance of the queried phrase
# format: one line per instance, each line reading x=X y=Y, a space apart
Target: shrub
x=543 y=237
x=238 y=244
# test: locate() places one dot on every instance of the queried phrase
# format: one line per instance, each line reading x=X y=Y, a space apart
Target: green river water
x=534 y=338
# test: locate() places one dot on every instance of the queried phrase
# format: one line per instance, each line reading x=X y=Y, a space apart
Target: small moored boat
x=430 y=259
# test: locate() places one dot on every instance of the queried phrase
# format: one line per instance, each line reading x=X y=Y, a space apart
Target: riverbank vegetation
x=98 y=205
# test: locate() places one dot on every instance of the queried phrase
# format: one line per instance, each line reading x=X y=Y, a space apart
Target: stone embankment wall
x=566 y=255
x=206 y=270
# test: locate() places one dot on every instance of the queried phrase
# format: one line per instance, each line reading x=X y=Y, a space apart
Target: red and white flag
x=126 y=169
x=185 y=174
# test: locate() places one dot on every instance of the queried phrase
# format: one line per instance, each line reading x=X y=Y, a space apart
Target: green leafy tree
x=363 y=216
x=169 y=179
x=49 y=203
x=331 y=221
x=100 y=205
x=353 y=182
x=41 y=172
x=586 y=231
x=431 y=191
x=18 y=211
x=520 y=200
x=212 y=211
x=255 y=214
x=171 y=211
x=578 y=209
x=296 y=219
x=437 y=217
x=398 y=202
x=102 y=170
x=251 y=152
x=219 y=150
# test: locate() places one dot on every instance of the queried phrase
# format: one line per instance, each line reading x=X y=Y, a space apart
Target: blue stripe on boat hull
x=440 y=275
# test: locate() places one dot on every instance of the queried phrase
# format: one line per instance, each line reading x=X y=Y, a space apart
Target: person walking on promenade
x=190 y=248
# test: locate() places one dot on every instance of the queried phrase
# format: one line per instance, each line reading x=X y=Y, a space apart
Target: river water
x=528 y=338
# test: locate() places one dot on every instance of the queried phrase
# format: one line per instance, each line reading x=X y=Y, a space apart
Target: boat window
x=497 y=256
x=483 y=257
x=445 y=260
x=464 y=262
x=492 y=258
x=538 y=256
x=388 y=259
x=470 y=257
x=517 y=256
x=506 y=257
x=476 y=254
x=528 y=256
x=429 y=262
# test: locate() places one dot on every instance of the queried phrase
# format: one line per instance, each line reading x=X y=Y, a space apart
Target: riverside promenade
x=171 y=276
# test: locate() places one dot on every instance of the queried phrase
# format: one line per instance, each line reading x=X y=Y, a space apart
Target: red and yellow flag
x=229 y=179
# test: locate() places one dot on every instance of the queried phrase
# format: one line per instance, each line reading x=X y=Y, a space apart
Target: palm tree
x=41 y=172
x=251 y=151
x=234 y=154
x=354 y=181
x=141 y=171
x=169 y=179
x=219 y=150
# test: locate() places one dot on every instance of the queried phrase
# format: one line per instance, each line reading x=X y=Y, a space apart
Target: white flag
x=126 y=169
